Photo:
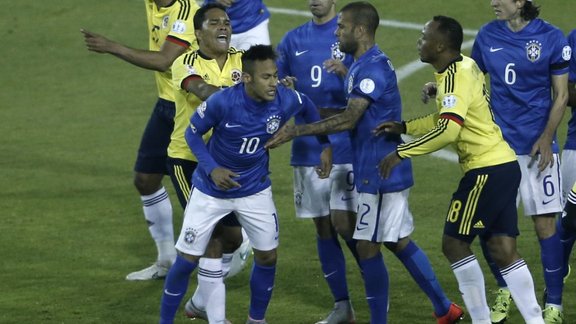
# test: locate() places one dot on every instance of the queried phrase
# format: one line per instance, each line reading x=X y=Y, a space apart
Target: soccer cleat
x=155 y=271
x=342 y=313
x=253 y=321
x=553 y=315
x=455 y=314
x=499 y=311
x=194 y=312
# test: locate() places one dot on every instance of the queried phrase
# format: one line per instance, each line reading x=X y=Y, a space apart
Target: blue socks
x=376 y=285
x=175 y=288
x=418 y=265
x=551 y=254
x=261 y=286
x=334 y=267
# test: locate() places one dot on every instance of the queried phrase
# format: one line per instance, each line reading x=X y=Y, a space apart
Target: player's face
x=214 y=37
x=345 y=33
x=320 y=8
x=261 y=83
x=427 y=43
x=507 y=9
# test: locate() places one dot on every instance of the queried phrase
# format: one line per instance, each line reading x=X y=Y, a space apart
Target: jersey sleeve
x=371 y=81
x=182 y=25
x=562 y=55
x=421 y=125
x=183 y=69
x=207 y=115
x=572 y=43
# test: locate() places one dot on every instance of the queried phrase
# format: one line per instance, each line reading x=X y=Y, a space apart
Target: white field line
x=404 y=71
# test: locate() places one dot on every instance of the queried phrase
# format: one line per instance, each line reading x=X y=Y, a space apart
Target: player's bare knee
x=367 y=249
x=265 y=258
x=344 y=222
x=231 y=238
x=324 y=228
x=544 y=225
x=214 y=249
x=455 y=249
x=147 y=183
x=189 y=257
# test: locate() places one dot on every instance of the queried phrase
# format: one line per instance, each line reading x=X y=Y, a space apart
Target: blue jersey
x=302 y=52
x=571 y=139
x=240 y=128
x=245 y=14
x=520 y=65
x=372 y=77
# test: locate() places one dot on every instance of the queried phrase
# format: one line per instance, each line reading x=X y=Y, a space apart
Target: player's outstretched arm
x=151 y=60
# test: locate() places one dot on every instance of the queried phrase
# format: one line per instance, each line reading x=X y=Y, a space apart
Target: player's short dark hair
x=200 y=14
x=530 y=11
x=257 y=53
x=363 y=13
x=451 y=30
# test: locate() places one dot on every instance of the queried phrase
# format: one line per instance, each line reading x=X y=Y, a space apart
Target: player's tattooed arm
x=345 y=121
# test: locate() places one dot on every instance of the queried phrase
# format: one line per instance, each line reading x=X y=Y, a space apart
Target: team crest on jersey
x=336 y=53
x=449 y=101
x=236 y=76
x=165 y=21
x=566 y=53
x=179 y=27
x=533 y=50
x=201 y=109
x=272 y=124
x=190 y=235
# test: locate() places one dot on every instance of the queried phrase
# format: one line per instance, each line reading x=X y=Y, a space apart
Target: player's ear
x=246 y=77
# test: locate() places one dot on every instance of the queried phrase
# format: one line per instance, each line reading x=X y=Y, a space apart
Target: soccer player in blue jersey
x=568 y=165
x=485 y=202
x=527 y=60
x=249 y=20
x=233 y=175
x=310 y=56
x=373 y=97
x=197 y=75
x=171 y=33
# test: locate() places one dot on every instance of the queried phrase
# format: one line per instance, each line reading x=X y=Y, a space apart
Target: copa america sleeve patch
x=449 y=101
x=179 y=27
x=367 y=86
x=567 y=53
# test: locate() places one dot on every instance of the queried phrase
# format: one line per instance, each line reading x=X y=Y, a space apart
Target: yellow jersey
x=175 y=24
x=464 y=119
x=194 y=65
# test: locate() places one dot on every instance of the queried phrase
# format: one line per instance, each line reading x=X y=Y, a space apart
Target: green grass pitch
x=71 y=222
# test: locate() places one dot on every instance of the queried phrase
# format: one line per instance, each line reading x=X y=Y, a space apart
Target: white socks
x=521 y=285
x=158 y=213
x=210 y=294
x=471 y=285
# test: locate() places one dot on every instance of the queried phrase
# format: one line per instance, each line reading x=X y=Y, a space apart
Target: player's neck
x=220 y=58
x=363 y=47
x=446 y=60
x=324 y=19
x=517 y=24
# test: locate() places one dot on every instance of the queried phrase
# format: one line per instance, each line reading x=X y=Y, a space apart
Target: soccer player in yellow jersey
x=485 y=202
x=171 y=33
x=196 y=75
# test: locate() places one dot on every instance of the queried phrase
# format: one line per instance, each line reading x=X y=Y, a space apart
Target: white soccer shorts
x=315 y=197
x=256 y=213
x=256 y=35
x=383 y=217
x=540 y=192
